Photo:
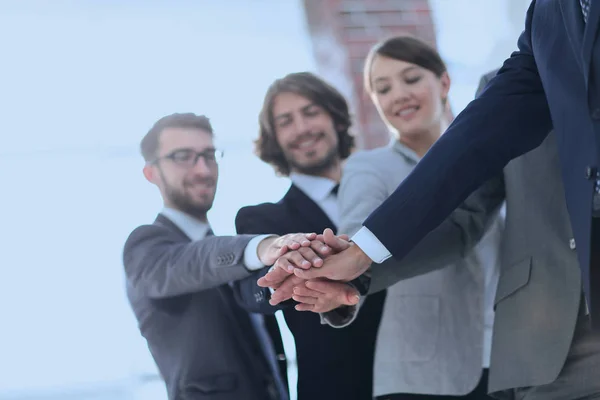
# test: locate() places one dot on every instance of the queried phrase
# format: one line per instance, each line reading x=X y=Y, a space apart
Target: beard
x=316 y=167
x=182 y=201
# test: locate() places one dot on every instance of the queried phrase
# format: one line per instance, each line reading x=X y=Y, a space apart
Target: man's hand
x=271 y=248
x=324 y=245
x=281 y=276
x=324 y=296
x=349 y=263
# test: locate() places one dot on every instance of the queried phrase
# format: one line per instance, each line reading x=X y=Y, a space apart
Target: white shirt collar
x=315 y=187
x=192 y=227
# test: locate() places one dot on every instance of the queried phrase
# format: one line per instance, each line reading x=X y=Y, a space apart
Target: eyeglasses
x=188 y=158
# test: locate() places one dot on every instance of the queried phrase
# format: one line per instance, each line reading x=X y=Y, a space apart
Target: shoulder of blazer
x=259 y=218
x=165 y=222
x=376 y=162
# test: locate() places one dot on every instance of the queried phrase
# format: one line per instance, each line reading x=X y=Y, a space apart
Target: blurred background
x=81 y=82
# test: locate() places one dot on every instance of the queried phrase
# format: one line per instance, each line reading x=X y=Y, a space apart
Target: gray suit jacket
x=431 y=323
x=539 y=290
x=201 y=340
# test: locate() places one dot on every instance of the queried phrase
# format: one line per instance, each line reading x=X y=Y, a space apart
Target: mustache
x=200 y=180
x=306 y=136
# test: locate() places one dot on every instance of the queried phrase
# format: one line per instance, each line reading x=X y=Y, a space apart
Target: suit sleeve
x=447 y=244
x=248 y=294
x=160 y=266
x=454 y=238
x=510 y=118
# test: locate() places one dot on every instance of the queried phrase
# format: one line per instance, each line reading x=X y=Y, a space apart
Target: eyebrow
x=287 y=114
x=405 y=70
x=211 y=148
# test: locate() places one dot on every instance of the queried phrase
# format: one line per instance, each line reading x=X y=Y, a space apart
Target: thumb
x=333 y=241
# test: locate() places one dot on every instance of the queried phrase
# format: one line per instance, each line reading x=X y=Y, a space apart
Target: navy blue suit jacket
x=551 y=82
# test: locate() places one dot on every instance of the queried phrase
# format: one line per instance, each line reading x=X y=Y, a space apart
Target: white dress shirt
x=197 y=230
x=319 y=190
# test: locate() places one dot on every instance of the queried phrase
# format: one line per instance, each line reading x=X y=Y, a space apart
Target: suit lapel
x=307 y=210
x=164 y=221
x=573 y=20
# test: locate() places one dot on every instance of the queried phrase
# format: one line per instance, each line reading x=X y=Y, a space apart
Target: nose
x=301 y=125
x=400 y=93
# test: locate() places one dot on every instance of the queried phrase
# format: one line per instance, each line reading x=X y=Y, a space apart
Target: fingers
x=274 y=277
x=320 y=247
x=285 y=290
x=294 y=241
x=344 y=293
x=336 y=243
x=291 y=261
x=312 y=273
x=303 y=294
x=305 y=307
x=305 y=299
x=330 y=295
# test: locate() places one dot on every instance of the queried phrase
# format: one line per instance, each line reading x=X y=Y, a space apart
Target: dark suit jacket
x=332 y=363
x=532 y=93
x=202 y=342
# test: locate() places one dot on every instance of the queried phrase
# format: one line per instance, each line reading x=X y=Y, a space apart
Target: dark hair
x=149 y=144
x=405 y=48
x=315 y=89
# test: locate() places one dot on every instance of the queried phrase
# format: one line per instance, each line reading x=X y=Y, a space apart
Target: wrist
x=360 y=255
x=262 y=250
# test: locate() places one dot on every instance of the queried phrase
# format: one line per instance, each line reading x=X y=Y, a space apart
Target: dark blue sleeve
x=247 y=293
x=510 y=118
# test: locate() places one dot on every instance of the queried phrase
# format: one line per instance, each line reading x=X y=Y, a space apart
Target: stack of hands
x=313 y=269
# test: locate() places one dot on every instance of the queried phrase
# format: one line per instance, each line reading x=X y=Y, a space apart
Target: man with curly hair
x=304 y=135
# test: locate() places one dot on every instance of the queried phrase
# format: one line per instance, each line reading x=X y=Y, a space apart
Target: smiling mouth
x=307 y=143
x=407 y=111
x=200 y=185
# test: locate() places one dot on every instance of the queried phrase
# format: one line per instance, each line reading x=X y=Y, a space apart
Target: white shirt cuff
x=251 y=260
x=370 y=245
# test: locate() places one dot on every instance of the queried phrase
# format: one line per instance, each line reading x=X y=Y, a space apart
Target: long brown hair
x=315 y=89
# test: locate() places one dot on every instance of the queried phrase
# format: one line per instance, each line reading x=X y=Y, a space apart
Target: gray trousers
x=580 y=376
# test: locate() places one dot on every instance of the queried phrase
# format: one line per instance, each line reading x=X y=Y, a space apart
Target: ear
x=150 y=173
x=445 y=82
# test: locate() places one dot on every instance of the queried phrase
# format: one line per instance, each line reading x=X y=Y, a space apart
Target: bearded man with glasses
x=178 y=275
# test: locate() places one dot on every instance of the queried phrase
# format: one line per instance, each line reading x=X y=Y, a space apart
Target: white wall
x=475 y=37
x=82 y=81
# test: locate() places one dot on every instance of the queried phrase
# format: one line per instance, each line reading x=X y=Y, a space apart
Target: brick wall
x=343 y=31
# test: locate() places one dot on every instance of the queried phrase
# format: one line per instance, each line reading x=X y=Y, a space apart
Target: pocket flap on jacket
x=211 y=384
x=513 y=279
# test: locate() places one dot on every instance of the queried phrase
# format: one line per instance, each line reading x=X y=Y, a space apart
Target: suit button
x=572 y=244
x=281 y=357
x=590 y=173
x=596 y=113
